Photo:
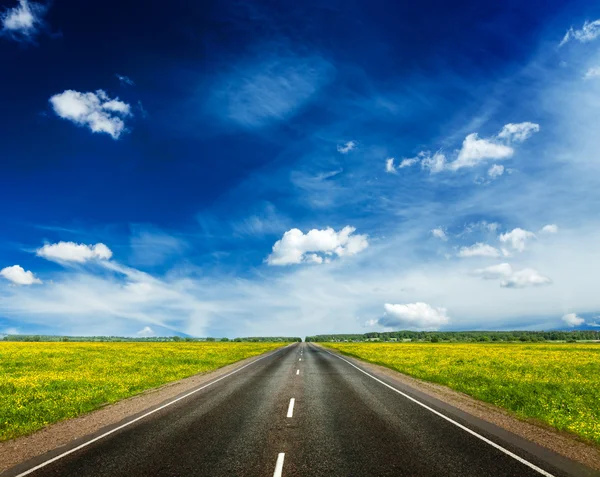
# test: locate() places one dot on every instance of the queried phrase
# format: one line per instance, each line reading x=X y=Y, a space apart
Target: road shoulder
x=561 y=443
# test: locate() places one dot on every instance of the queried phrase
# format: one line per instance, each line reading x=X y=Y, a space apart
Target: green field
x=558 y=384
x=42 y=383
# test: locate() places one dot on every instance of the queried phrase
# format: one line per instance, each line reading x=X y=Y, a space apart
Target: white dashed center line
x=291 y=408
x=279 y=465
x=297 y=372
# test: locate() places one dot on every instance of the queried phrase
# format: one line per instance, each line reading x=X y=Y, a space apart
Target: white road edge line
x=279 y=465
x=297 y=372
x=464 y=428
x=291 y=408
x=112 y=431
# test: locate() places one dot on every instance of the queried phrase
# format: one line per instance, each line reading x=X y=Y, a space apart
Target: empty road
x=304 y=412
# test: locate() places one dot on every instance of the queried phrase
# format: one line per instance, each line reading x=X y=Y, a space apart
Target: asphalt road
x=342 y=422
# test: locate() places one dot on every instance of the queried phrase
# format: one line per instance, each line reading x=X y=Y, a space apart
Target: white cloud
x=518 y=132
x=496 y=171
x=391 y=168
x=414 y=316
x=435 y=163
x=494 y=272
x=19 y=276
x=588 y=32
x=346 y=148
x=517 y=238
x=23 y=22
x=94 y=110
x=479 y=250
x=475 y=150
x=525 y=278
x=73 y=252
x=549 y=229
x=260 y=90
x=389 y=165
x=146 y=332
x=572 y=319
x=513 y=279
x=125 y=80
x=297 y=247
x=593 y=72
x=407 y=163
x=439 y=233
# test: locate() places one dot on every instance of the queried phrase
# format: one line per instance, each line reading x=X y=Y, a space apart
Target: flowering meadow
x=558 y=384
x=42 y=383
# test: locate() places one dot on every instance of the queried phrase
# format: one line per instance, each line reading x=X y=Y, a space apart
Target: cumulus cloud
x=496 y=171
x=525 y=278
x=519 y=132
x=511 y=278
x=418 y=315
x=475 y=150
x=23 y=22
x=346 y=148
x=96 y=111
x=19 y=276
x=439 y=233
x=146 y=332
x=572 y=319
x=588 y=32
x=478 y=250
x=125 y=80
x=72 y=252
x=435 y=163
x=517 y=238
x=549 y=229
x=315 y=246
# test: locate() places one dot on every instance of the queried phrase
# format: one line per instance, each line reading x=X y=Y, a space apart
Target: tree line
x=53 y=338
x=463 y=336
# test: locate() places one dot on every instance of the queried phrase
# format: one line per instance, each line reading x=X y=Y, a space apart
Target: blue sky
x=293 y=168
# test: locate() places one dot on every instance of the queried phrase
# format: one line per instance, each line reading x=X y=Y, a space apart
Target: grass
x=42 y=383
x=558 y=384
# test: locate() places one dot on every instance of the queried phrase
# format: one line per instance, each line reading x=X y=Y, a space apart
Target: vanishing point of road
x=302 y=411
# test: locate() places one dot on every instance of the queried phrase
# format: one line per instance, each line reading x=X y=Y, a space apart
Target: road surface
x=303 y=411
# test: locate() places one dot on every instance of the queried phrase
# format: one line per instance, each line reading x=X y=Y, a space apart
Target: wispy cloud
x=439 y=233
x=24 y=21
x=259 y=92
x=125 y=80
x=479 y=250
x=347 y=147
x=588 y=32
